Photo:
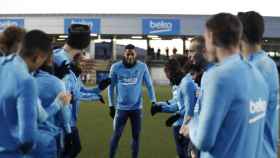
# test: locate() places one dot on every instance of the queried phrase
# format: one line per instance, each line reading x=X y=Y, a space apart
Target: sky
x=265 y=7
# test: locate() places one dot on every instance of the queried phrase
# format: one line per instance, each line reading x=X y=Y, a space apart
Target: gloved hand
x=25 y=148
x=101 y=99
x=155 y=109
x=169 y=122
x=62 y=70
x=104 y=84
x=112 y=112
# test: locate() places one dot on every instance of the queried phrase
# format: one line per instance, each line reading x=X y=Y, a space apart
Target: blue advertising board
x=93 y=23
x=161 y=26
x=11 y=22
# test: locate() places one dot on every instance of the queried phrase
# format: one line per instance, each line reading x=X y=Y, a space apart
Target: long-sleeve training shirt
x=173 y=106
x=74 y=85
x=125 y=91
x=18 y=104
x=231 y=120
x=269 y=71
x=49 y=87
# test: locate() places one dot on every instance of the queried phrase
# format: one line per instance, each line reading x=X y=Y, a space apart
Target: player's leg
x=45 y=145
x=135 y=118
x=119 y=124
x=181 y=142
x=59 y=144
x=76 y=146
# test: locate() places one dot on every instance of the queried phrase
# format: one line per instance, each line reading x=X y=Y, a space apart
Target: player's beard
x=129 y=64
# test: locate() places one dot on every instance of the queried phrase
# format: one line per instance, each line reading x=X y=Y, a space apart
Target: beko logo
x=257 y=110
x=257 y=107
x=160 y=26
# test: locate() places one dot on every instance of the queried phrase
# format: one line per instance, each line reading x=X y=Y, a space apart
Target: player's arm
x=112 y=87
x=273 y=105
x=111 y=91
x=85 y=89
x=65 y=115
x=65 y=111
x=97 y=90
x=149 y=84
x=217 y=94
x=89 y=96
x=54 y=107
x=171 y=106
x=27 y=114
x=189 y=99
x=42 y=114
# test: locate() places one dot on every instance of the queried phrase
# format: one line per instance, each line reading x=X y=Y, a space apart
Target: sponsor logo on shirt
x=257 y=110
x=129 y=81
x=129 y=78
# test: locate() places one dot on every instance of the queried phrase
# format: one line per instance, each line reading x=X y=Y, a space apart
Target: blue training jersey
x=174 y=106
x=125 y=91
x=187 y=95
x=74 y=85
x=49 y=87
x=18 y=104
x=269 y=71
x=231 y=120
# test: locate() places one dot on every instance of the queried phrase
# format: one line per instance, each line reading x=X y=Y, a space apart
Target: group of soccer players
x=41 y=92
x=224 y=103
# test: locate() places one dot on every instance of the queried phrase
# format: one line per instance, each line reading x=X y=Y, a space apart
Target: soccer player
x=10 y=40
x=78 y=39
x=183 y=89
x=56 y=114
x=234 y=99
x=200 y=65
x=125 y=97
x=19 y=96
x=253 y=25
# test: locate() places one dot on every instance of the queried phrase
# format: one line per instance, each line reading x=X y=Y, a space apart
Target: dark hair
x=130 y=46
x=175 y=71
x=253 y=26
x=200 y=43
x=200 y=60
x=35 y=40
x=226 y=29
x=198 y=66
x=177 y=66
x=79 y=36
x=11 y=36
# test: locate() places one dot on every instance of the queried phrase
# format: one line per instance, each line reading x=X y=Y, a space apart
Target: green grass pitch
x=96 y=129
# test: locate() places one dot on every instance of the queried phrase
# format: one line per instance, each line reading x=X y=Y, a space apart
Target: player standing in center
x=125 y=97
